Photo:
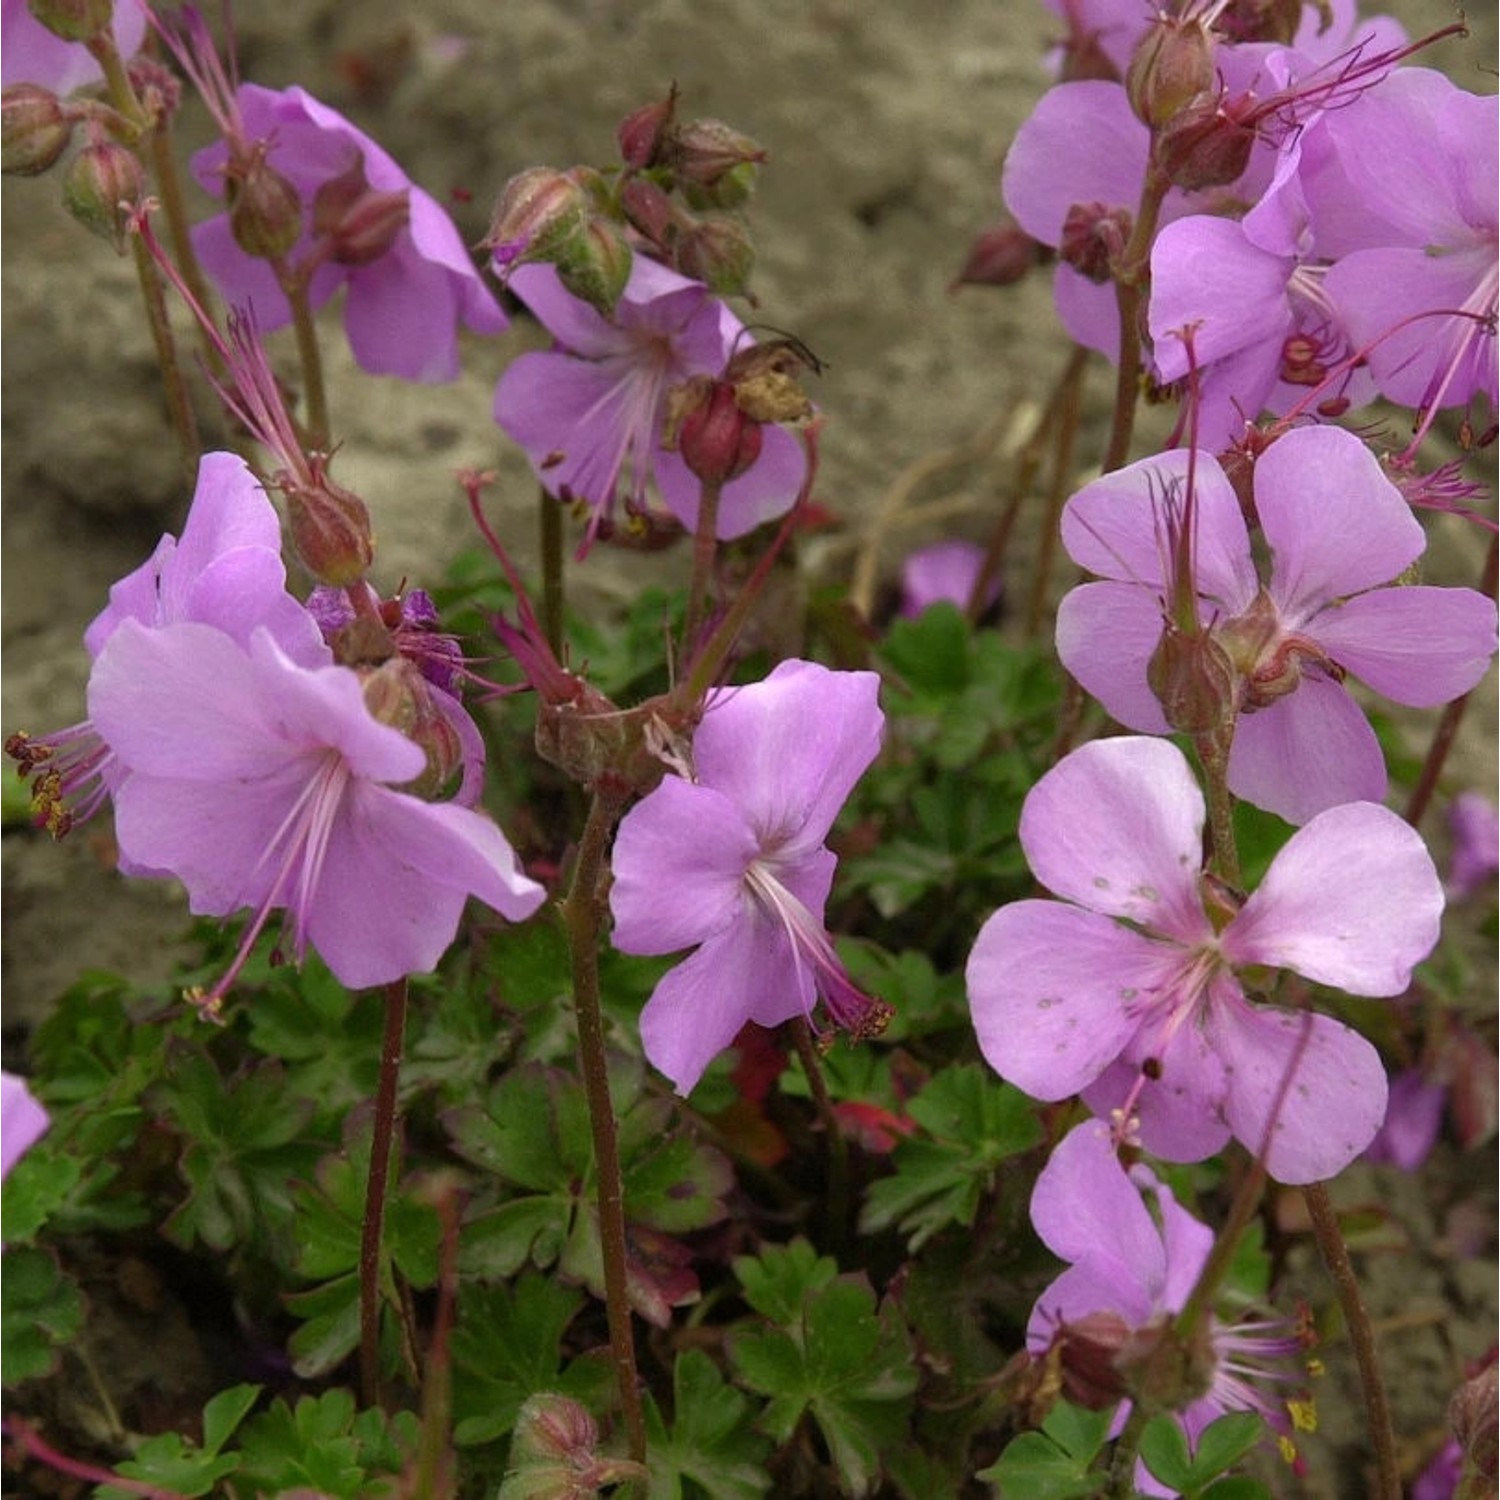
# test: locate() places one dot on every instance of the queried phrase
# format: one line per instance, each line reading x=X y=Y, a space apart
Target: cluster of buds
x=587 y=223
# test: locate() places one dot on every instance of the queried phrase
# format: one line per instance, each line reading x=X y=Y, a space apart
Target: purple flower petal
x=1307 y=752
x=787 y=751
x=33 y=54
x=1363 y=936
x=1328 y=1112
x=689 y=839
x=1419 y=645
x=22 y=1121
x=765 y=491
x=1359 y=534
x=1106 y=634
x=1118 y=827
x=1055 y=993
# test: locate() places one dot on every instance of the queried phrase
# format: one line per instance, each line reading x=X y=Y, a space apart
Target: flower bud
x=102 y=187
x=1206 y=144
x=73 y=20
x=265 y=209
x=360 y=221
x=553 y=1453
x=1000 y=256
x=397 y=694
x=717 y=253
x=705 y=423
x=1194 y=681
x=34 y=129
x=330 y=530
x=596 y=265
x=1171 y=66
x=641 y=132
x=157 y=87
x=539 y=211
x=649 y=210
x=702 y=151
x=1094 y=236
x=733 y=189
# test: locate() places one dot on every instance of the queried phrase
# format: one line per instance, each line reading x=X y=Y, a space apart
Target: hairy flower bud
x=102 y=188
x=733 y=189
x=1171 y=66
x=330 y=529
x=702 y=151
x=397 y=694
x=641 y=132
x=1194 y=681
x=34 y=129
x=73 y=20
x=265 y=209
x=1000 y=256
x=596 y=265
x=1206 y=144
x=649 y=210
x=539 y=211
x=705 y=423
x=361 y=222
x=1093 y=237
x=719 y=254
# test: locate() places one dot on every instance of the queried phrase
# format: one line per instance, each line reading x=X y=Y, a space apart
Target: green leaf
x=321 y=1444
x=1164 y=1450
x=1033 y=1467
x=709 y=1443
x=515 y=1133
x=1079 y=1432
x=495 y=1245
x=507 y=1345
x=778 y=1282
x=330 y=1330
x=1223 y=1443
x=41 y=1309
x=224 y=1413
x=840 y=1361
x=38 y=1186
x=169 y=1462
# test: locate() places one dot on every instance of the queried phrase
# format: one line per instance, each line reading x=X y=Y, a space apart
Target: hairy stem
x=1335 y=1252
x=179 y=407
x=373 y=1229
x=169 y=192
x=581 y=916
x=705 y=543
x=550 y=514
x=309 y=355
x=1453 y=715
x=1213 y=750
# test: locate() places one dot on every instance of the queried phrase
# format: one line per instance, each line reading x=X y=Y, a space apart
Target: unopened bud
x=102 y=188
x=641 y=132
x=73 y=20
x=539 y=212
x=649 y=210
x=1094 y=236
x=702 y=151
x=718 y=253
x=330 y=530
x=34 y=128
x=553 y=1455
x=1171 y=66
x=1206 y=144
x=718 y=442
x=265 y=209
x=1162 y=1372
x=1000 y=256
x=397 y=694
x=1194 y=681
x=730 y=190
x=596 y=265
x=157 y=87
x=360 y=221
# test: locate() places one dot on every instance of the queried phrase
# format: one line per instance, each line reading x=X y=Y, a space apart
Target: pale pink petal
x=692 y=842
x=401 y=316
x=1106 y=635
x=1186 y=1241
x=1117 y=826
x=1419 y=645
x=764 y=492
x=1335 y=524
x=699 y=1007
x=22 y=1121
x=1056 y=992
x=1362 y=935
x=1328 y=1112
x=1101 y=1283
x=242 y=279
x=787 y=751
x=1307 y=752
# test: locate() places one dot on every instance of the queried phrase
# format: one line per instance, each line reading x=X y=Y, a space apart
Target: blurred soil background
x=886 y=124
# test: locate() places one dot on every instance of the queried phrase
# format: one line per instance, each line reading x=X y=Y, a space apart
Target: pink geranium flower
x=590 y=413
x=267 y=785
x=407 y=291
x=225 y=571
x=22 y=1121
x=1339 y=532
x=732 y=863
x=1127 y=992
x=34 y=54
x=1135 y=1255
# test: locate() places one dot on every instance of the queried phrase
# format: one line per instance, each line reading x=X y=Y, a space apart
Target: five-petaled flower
x=733 y=863
x=1128 y=992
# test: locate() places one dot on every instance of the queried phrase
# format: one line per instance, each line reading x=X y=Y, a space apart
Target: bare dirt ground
x=886 y=124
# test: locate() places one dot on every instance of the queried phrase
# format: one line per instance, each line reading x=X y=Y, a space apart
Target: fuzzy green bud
x=1172 y=65
x=1194 y=681
x=265 y=209
x=596 y=265
x=102 y=188
x=34 y=129
x=539 y=213
x=702 y=151
x=718 y=253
